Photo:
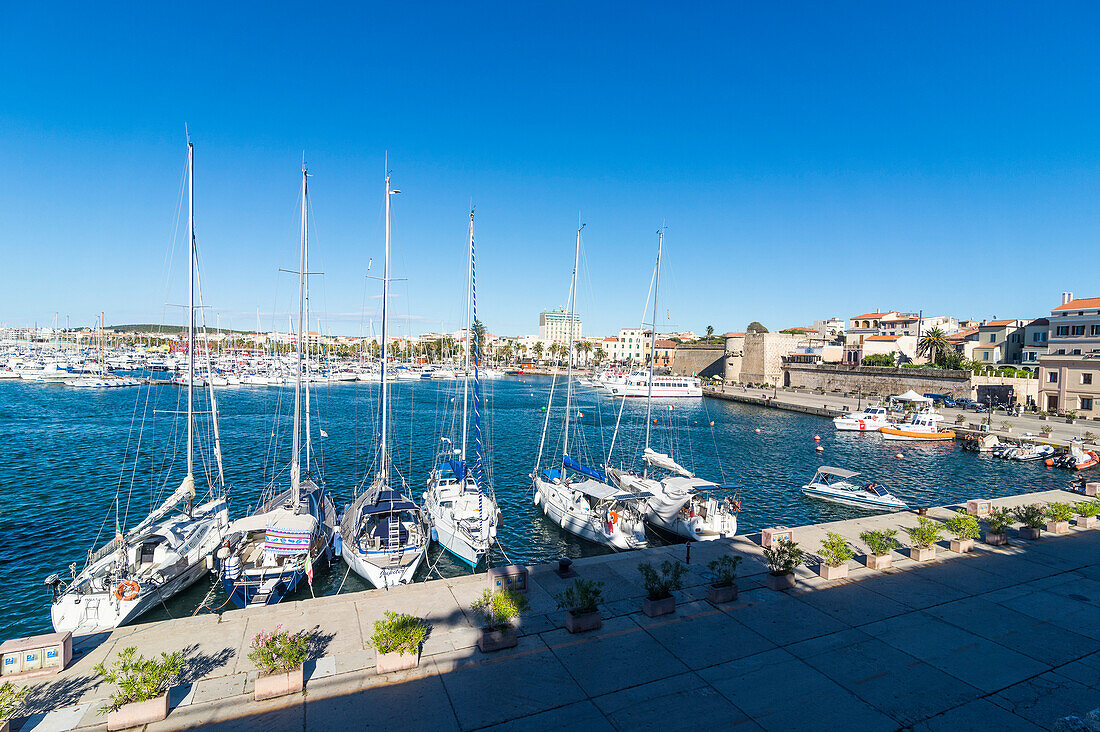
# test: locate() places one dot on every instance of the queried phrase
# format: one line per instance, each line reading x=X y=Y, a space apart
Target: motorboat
x=869 y=420
x=981 y=443
x=638 y=385
x=923 y=427
x=1078 y=458
x=835 y=484
x=1033 y=452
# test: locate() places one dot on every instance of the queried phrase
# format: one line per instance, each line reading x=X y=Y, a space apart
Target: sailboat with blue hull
x=268 y=554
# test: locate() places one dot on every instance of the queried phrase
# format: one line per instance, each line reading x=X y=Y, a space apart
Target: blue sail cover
x=453 y=469
x=590 y=472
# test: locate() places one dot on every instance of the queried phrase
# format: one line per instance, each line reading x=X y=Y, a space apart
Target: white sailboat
x=576 y=497
x=167 y=551
x=677 y=501
x=269 y=552
x=459 y=501
x=384 y=533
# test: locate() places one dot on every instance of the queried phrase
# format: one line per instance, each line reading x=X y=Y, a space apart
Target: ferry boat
x=923 y=427
x=869 y=420
x=834 y=484
x=637 y=384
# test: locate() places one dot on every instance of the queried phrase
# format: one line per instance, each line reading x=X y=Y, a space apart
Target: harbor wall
x=699 y=359
x=876 y=380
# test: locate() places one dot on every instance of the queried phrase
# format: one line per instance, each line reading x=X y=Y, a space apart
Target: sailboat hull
x=573 y=514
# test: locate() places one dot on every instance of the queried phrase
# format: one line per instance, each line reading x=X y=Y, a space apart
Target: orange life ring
x=614 y=517
x=127 y=590
x=736 y=505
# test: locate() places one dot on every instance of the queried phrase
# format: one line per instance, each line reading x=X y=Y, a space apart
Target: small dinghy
x=835 y=484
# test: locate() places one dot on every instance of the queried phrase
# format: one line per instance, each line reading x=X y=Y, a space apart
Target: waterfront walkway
x=1003 y=638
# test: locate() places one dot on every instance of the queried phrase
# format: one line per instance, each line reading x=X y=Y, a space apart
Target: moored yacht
x=869 y=420
x=835 y=484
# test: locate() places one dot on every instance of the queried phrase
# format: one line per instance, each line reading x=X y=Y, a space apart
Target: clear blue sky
x=810 y=159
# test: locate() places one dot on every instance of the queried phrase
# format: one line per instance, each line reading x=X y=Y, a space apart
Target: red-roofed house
x=1069 y=373
x=860 y=327
x=1000 y=342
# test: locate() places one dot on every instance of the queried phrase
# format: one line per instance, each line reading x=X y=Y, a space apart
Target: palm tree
x=538 y=350
x=933 y=342
x=585 y=347
x=600 y=354
x=710 y=331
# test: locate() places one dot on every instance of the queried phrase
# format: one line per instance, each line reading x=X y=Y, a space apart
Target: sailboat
x=459 y=501
x=268 y=553
x=576 y=497
x=384 y=534
x=168 y=550
x=677 y=501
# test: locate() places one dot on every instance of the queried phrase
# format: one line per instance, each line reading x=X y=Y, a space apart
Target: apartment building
x=1000 y=342
x=554 y=326
x=1069 y=373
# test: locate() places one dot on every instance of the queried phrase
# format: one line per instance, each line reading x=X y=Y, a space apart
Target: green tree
x=932 y=344
x=879 y=359
x=585 y=348
x=710 y=331
x=756 y=327
x=600 y=354
x=539 y=348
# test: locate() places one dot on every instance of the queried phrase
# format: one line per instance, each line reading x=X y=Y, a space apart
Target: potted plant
x=11 y=700
x=782 y=557
x=1087 y=511
x=924 y=536
x=835 y=554
x=1058 y=517
x=960 y=418
x=497 y=609
x=1006 y=426
x=278 y=655
x=660 y=586
x=1043 y=414
x=1032 y=517
x=966 y=529
x=397 y=639
x=1046 y=429
x=724 y=587
x=580 y=601
x=1090 y=436
x=142 y=687
x=998 y=520
x=880 y=543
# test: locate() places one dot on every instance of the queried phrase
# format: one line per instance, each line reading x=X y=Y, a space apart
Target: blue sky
x=810 y=159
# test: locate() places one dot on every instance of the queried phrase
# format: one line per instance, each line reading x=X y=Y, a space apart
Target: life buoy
x=613 y=517
x=127 y=590
x=736 y=505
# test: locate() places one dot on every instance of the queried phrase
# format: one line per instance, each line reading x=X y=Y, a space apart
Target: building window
x=1095 y=330
x=1052 y=377
x=1076 y=352
x=1063 y=330
x=1060 y=352
x=1078 y=330
x=1086 y=404
x=1086 y=378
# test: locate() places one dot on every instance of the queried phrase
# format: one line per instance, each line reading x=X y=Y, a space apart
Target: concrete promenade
x=1003 y=638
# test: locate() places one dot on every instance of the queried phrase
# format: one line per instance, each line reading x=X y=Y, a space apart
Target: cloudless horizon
x=809 y=160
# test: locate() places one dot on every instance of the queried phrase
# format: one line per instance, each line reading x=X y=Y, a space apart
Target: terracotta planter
x=719 y=594
x=138 y=713
x=497 y=639
x=655 y=608
x=583 y=622
x=279 y=684
x=779 y=582
x=1026 y=532
x=918 y=554
x=829 y=572
x=879 y=561
x=1086 y=522
x=962 y=546
x=996 y=539
x=387 y=663
x=1058 y=527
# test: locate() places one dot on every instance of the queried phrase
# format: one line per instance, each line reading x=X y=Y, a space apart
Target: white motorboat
x=923 y=427
x=835 y=484
x=869 y=420
x=1033 y=452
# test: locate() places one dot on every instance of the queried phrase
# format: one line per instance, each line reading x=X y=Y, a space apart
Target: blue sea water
x=67 y=454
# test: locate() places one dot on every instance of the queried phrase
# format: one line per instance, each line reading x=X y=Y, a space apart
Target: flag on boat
x=309 y=569
x=324 y=434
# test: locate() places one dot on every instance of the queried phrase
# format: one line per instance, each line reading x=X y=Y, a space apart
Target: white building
x=554 y=326
x=632 y=344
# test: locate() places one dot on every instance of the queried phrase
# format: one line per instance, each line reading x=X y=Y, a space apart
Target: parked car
x=964 y=403
x=943 y=399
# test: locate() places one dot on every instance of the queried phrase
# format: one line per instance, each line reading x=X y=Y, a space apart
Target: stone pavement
x=1003 y=638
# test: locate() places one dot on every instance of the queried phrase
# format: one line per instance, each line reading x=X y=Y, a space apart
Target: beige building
x=875 y=345
x=861 y=327
x=554 y=326
x=1000 y=342
x=763 y=356
x=632 y=344
x=1069 y=374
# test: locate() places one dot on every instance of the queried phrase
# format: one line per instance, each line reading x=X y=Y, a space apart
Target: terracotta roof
x=665 y=344
x=999 y=323
x=871 y=315
x=962 y=335
x=734 y=335
x=1080 y=304
x=610 y=338
x=881 y=338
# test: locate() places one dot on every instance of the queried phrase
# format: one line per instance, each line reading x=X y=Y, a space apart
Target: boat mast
x=191 y=317
x=569 y=365
x=653 y=343
x=469 y=333
x=385 y=323
x=295 y=465
x=473 y=343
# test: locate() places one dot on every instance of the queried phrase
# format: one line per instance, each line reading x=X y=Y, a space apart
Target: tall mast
x=469 y=332
x=385 y=327
x=473 y=344
x=295 y=465
x=569 y=366
x=191 y=313
x=653 y=339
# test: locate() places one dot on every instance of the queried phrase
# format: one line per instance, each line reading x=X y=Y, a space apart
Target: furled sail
x=661 y=460
x=584 y=470
x=185 y=491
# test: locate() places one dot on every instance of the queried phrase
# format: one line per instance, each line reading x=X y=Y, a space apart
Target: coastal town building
x=1036 y=335
x=664 y=354
x=555 y=325
x=631 y=345
x=1000 y=342
x=964 y=341
x=861 y=327
x=1069 y=373
x=891 y=345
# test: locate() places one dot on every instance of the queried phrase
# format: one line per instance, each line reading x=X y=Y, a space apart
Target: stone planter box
x=879 y=561
x=1086 y=522
x=829 y=572
x=496 y=639
x=996 y=539
x=1029 y=533
x=962 y=546
x=138 y=713
x=779 y=582
x=280 y=684
x=655 y=608
x=1058 y=527
x=721 y=594
x=922 y=555
x=387 y=663
x=583 y=622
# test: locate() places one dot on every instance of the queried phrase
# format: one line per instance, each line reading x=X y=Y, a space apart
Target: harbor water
x=70 y=452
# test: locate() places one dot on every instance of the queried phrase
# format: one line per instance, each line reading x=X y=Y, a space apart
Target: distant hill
x=153 y=328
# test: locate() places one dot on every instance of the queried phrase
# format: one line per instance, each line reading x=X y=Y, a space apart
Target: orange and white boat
x=923 y=427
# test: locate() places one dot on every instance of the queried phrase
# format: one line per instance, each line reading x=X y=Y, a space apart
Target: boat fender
x=339 y=544
x=127 y=590
x=1049 y=462
x=712 y=423
x=435 y=535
